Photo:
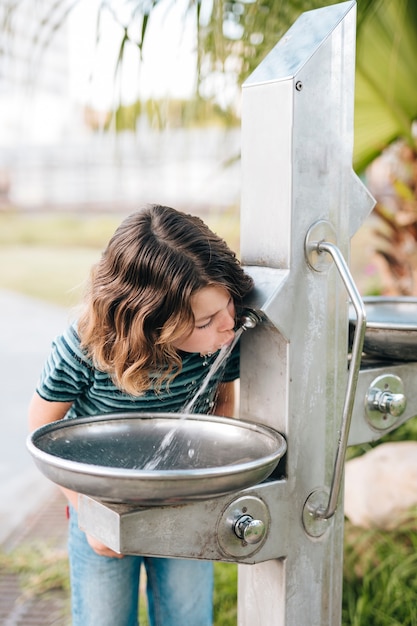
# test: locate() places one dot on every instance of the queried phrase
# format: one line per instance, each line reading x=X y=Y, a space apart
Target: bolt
x=298 y=85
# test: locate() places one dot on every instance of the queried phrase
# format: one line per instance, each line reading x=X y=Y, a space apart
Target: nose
x=226 y=321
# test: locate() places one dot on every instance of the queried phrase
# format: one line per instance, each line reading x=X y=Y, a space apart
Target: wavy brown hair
x=138 y=300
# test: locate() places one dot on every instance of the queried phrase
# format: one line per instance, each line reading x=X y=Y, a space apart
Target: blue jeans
x=105 y=591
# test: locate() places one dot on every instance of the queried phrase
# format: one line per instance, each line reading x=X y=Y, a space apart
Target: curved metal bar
x=339 y=261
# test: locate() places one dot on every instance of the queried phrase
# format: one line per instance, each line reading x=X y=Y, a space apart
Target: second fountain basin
x=391 y=327
x=154 y=459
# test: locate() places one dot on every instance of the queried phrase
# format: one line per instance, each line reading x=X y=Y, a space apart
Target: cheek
x=190 y=343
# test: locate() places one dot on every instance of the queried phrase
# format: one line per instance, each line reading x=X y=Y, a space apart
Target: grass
x=48 y=257
x=380 y=583
x=225 y=594
x=63 y=272
x=43 y=569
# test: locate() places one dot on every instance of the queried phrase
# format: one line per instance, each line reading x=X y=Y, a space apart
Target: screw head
x=298 y=85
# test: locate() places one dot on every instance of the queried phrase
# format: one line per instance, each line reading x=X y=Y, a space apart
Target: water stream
x=221 y=358
x=165 y=446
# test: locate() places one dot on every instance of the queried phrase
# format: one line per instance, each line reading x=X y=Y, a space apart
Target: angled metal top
x=299 y=43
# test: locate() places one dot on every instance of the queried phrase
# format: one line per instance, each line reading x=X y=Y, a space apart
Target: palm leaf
x=386 y=79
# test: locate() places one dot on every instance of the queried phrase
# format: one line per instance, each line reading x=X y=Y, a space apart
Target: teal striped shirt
x=69 y=376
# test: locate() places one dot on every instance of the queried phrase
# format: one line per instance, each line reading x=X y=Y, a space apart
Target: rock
x=381 y=485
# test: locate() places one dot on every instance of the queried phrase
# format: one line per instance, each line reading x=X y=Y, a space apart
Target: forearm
x=71 y=496
x=42 y=412
x=226 y=400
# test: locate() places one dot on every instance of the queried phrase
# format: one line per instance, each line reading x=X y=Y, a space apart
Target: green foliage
x=405 y=432
x=63 y=229
x=234 y=37
x=126 y=116
x=380 y=585
x=386 y=73
x=41 y=568
x=50 y=256
x=246 y=31
x=54 y=274
x=143 y=612
x=225 y=594
x=386 y=79
x=174 y=113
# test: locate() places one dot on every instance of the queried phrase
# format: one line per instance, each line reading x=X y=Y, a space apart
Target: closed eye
x=209 y=323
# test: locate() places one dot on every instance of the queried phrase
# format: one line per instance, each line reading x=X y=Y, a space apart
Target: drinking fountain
x=268 y=493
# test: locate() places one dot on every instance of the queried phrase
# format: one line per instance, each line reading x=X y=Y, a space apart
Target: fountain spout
x=250 y=318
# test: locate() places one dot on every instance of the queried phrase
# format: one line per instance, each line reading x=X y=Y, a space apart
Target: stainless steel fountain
x=301 y=204
x=146 y=459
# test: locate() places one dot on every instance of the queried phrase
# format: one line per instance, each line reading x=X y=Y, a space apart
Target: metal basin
x=391 y=327
x=158 y=458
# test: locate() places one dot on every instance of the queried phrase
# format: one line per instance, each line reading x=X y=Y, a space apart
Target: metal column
x=297 y=140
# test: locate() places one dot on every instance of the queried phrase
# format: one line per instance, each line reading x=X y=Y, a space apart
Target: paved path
x=27 y=328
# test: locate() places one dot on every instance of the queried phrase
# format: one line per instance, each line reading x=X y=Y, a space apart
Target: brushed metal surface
x=391 y=327
x=155 y=458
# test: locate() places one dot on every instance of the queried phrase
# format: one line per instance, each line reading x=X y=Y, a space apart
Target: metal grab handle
x=327 y=512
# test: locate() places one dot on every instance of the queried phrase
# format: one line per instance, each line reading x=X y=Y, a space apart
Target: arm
x=225 y=401
x=44 y=412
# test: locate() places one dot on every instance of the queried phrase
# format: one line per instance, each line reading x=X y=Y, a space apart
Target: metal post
x=297 y=140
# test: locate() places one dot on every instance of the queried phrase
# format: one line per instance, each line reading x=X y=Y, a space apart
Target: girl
x=160 y=303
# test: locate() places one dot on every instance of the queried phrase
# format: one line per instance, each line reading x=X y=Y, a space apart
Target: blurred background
x=108 y=105
x=94 y=125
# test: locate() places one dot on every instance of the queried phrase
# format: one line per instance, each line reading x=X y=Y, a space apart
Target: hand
x=102 y=550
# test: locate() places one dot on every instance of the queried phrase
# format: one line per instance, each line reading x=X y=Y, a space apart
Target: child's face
x=214 y=314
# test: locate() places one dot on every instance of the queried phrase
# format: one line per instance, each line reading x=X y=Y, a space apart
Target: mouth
x=227 y=343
